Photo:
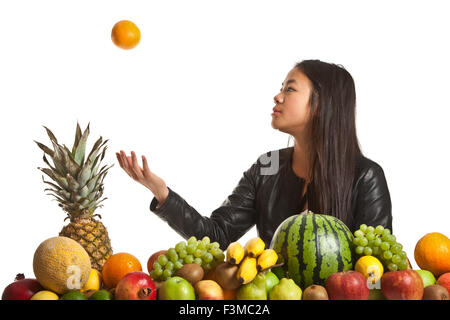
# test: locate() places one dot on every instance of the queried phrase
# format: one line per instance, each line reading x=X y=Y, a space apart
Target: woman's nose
x=278 y=98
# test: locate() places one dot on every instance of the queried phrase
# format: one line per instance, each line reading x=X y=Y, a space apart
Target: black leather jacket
x=268 y=199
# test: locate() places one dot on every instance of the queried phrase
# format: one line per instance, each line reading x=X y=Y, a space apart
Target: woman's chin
x=275 y=124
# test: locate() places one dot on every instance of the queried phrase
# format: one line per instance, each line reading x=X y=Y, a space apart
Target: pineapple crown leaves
x=78 y=180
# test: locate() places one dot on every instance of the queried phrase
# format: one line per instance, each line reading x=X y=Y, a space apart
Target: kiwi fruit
x=225 y=275
x=191 y=272
x=315 y=292
x=435 y=292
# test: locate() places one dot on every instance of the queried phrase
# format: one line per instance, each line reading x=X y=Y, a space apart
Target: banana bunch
x=251 y=258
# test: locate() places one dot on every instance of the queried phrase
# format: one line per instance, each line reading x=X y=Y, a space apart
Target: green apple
x=176 y=288
x=271 y=281
x=427 y=277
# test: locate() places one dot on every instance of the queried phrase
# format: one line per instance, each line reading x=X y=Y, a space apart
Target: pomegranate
x=21 y=288
x=135 y=285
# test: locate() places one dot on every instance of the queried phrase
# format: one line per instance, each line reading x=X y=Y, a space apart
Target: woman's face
x=293 y=103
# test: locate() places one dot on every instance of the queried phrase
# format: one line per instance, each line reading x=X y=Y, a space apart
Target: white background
x=196 y=96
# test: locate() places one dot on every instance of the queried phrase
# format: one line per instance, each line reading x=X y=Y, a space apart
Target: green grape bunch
x=202 y=252
x=382 y=244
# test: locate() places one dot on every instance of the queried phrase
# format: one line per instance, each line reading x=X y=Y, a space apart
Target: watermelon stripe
x=302 y=265
x=336 y=234
x=315 y=227
x=284 y=249
x=294 y=250
x=329 y=247
x=309 y=250
x=347 y=246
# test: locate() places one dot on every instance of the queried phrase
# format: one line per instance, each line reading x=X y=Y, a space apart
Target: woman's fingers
x=146 y=170
x=129 y=162
x=123 y=157
x=126 y=165
x=119 y=160
x=136 y=168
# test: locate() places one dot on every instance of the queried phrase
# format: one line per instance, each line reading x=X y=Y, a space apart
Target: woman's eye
x=287 y=89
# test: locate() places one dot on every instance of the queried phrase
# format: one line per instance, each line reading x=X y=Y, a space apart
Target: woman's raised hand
x=143 y=175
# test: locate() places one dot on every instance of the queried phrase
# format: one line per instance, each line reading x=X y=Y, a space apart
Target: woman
x=324 y=171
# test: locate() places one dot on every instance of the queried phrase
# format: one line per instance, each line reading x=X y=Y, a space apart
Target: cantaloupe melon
x=61 y=264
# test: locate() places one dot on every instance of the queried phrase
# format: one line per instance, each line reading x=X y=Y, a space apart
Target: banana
x=247 y=270
x=255 y=247
x=235 y=253
x=266 y=259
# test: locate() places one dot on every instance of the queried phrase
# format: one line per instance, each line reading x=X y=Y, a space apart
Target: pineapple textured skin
x=93 y=236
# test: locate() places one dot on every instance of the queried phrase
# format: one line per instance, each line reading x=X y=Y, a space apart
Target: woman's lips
x=275 y=113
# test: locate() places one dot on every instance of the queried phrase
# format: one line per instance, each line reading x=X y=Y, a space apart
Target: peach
x=208 y=290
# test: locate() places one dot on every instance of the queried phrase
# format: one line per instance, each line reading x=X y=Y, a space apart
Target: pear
x=254 y=290
x=287 y=289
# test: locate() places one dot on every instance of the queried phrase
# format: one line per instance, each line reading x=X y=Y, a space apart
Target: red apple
x=444 y=280
x=402 y=285
x=136 y=285
x=347 y=285
x=21 y=289
x=153 y=258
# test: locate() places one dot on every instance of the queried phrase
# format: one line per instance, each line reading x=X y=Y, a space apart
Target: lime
x=73 y=295
x=101 y=295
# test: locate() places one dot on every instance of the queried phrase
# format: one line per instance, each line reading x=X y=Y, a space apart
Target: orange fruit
x=432 y=253
x=125 y=34
x=117 y=266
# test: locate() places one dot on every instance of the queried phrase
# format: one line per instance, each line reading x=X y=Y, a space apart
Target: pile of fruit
x=63 y=272
x=311 y=256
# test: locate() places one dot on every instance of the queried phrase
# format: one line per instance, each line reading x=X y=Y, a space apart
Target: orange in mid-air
x=125 y=34
x=117 y=266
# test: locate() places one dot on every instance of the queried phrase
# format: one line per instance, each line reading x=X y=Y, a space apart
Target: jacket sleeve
x=228 y=223
x=373 y=204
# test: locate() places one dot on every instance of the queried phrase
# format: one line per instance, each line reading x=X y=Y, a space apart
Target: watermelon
x=311 y=247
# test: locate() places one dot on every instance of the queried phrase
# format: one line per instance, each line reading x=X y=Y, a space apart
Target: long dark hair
x=334 y=146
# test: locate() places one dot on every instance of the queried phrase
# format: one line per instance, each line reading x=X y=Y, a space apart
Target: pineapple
x=78 y=187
